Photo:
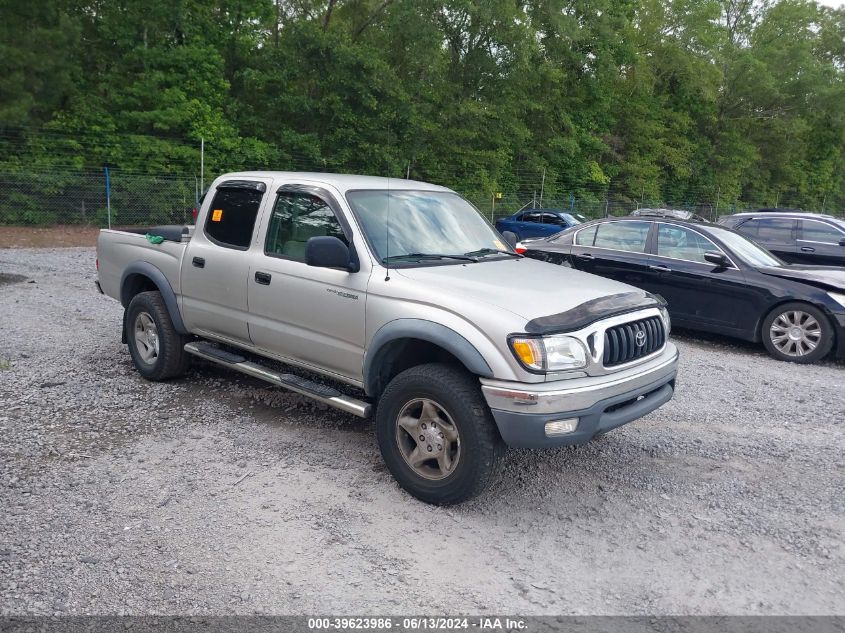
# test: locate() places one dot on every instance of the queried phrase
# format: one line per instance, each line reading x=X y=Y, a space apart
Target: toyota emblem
x=639 y=339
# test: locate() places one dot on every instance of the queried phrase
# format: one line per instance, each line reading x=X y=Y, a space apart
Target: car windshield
x=745 y=249
x=574 y=218
x=424 y=226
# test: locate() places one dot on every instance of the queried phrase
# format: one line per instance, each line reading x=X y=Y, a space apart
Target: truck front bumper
x=579 y=408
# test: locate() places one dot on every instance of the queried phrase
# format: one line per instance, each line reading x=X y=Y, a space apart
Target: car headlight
x=549 y=353
x=667 y=322
x=838 y=297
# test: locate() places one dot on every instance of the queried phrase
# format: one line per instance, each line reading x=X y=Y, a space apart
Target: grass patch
x=5 y=363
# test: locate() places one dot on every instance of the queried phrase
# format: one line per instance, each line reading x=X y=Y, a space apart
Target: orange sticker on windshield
x=499 y=244
x=217 y=215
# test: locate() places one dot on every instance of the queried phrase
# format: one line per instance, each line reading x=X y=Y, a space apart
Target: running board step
x=298 y=384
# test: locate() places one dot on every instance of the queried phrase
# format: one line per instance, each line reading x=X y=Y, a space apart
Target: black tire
x=823 y=344
x=458 y=395
x=171 y=361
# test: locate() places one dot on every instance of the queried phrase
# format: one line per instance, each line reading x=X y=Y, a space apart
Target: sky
x=833 y=3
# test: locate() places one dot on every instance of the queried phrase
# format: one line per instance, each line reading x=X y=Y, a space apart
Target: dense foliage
x=665 y=100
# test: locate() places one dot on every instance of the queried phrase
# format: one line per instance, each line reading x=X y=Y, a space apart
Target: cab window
x=680 y=243
x=623 y=236
x=297 y=217
x=231 y=215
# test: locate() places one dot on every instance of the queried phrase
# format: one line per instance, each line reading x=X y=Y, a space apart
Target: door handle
x=808 y=249
x=660 y=268
x=585 y=256
x=262 y=278
x=199 y=262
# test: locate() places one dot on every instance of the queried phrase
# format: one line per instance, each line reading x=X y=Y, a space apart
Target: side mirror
x=719 y=259
x=842 y=242
x=327 y=252
x=510 y=238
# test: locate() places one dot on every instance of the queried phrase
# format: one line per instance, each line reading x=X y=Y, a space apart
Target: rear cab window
x=232 y=213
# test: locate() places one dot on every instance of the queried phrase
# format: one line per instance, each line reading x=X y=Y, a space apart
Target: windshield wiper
x=481 y=252
x=427 y=257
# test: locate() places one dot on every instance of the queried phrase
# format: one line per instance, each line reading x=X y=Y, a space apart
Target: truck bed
x=118 y=248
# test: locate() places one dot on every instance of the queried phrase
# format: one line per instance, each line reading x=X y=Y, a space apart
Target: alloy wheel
x=795 y=333
x=146 y=338
x=428 y=439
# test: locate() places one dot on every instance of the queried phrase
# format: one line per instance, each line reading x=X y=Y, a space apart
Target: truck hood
x=528 y=288
x=829 y=277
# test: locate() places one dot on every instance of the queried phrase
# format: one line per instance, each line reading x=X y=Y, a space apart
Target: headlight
x=838 y=297
x=549 y=353
x=667 y=322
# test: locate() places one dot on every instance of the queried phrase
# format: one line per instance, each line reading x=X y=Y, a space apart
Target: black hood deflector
x=591 y=311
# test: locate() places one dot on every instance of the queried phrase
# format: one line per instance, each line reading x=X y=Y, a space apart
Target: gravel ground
x=220 y=495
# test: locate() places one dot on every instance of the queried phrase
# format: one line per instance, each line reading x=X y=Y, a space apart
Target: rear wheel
x=156 y=348
x=437 y=435
x=797 y=333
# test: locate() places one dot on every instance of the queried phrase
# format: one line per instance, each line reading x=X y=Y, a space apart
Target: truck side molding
x=137 y=270
x=422 y=330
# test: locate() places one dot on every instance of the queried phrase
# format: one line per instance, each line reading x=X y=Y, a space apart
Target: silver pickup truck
x=407 y=305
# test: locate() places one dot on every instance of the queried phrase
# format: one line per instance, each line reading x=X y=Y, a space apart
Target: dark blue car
x=538 y=222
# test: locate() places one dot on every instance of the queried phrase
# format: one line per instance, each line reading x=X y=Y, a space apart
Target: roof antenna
x=387 y=223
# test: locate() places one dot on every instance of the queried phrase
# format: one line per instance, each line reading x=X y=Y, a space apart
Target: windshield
x=745 y=249
x=424 y=223
x=574 y=218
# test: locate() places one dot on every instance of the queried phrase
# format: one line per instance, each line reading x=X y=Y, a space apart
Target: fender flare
x=423 y=330
x=145 y=269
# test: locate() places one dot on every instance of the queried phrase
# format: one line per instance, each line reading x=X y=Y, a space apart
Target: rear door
x=778 y=235
x=819 y=243
x=215 y=268
x=699 y=294
x=309 y=315
x=614 y=249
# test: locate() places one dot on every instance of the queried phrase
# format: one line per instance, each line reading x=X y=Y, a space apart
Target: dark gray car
x=795 y=237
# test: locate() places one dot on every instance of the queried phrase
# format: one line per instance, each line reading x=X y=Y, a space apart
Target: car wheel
x=157 y=350
x=437 y=435
x=797 y=333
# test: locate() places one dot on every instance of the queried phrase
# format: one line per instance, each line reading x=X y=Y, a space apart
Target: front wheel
x=798 y=333
x=437 y=435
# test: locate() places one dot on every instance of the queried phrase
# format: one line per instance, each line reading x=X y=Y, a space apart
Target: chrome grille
x=630 y=341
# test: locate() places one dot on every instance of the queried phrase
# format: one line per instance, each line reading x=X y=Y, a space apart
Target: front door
x=312 y=316
x=699 y=294
x=820 y=243
x=215 y=268
x=529 y=225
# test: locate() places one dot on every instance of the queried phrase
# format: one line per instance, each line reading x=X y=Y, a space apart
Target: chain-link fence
x=78 y=197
